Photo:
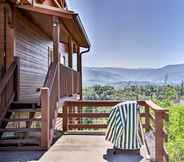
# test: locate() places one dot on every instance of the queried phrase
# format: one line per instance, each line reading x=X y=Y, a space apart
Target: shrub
x=175 y=129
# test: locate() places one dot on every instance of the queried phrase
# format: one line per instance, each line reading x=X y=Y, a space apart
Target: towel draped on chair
x=123 y=126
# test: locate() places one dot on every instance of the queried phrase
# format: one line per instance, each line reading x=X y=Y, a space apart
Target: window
x=50 y=56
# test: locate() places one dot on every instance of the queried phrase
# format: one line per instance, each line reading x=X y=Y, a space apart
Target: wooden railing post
x=45 y=125
x=56 y=53
x=159 y=140
x=65 y=118
x=147 y=118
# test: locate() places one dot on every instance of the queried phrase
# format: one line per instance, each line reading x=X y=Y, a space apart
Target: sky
x=132 y=33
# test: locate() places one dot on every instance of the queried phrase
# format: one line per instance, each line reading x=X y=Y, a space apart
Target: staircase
x=27 y=126
x=21 y=127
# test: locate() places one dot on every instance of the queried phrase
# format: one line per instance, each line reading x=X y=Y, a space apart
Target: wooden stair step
x=17 y=130
x=22 y=120
x=32 y=141
x=24 y=104
x=24 y=110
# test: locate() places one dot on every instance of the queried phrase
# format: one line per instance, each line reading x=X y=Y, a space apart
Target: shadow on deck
x=20 y=156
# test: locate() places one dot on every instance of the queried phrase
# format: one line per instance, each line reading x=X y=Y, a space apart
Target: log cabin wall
x=32 y=47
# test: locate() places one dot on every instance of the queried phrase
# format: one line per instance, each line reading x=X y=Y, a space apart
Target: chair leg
x=114 y=152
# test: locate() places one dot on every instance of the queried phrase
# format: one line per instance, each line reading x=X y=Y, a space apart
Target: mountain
x=173 y=74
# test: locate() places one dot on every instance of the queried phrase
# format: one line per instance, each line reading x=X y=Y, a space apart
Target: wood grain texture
x=32 y=48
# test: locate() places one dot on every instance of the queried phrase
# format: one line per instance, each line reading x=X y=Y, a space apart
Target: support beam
x=70 y=53
x=79 y=69
x=56 y=33
x=56 y=52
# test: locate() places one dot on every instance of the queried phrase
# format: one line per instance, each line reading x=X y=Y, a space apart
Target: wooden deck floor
x=86 y=148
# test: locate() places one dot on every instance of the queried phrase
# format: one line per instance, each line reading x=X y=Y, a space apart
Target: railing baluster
x=69 y=81
x=65 y=118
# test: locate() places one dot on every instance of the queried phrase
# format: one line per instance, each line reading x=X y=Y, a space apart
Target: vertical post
x=65 y=118
x=9 y=35
x=79 y=69
x=56 y=33
x=79 y=80
x=159 y=141
x=2 y=39
x=45 y=128
x=147 y=118
x=70 y=52
x=56 y=54
x=17 y=79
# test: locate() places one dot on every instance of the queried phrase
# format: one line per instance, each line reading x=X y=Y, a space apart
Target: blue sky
x=132 y=33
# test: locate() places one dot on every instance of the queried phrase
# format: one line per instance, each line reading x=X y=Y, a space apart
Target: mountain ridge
x=172 y=74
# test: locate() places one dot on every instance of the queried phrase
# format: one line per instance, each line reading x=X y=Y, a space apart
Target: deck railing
x=155 y=117
x=152 y=115
x=49 y=105
x=69 y=81
x=9 y=86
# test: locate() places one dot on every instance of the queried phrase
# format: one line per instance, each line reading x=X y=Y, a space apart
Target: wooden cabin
x=38 y=41
x=40 y=83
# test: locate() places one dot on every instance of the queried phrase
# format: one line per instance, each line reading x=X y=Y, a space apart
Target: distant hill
x=173 y=74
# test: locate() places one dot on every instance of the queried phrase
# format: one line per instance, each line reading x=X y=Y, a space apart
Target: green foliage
x=162 y=94
x=98 y=92
x=166 y=96
x=175 y=128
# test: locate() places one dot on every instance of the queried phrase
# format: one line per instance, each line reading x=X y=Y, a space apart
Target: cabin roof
x=71 y=24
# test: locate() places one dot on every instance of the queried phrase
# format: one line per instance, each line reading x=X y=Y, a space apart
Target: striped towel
x=123 y=124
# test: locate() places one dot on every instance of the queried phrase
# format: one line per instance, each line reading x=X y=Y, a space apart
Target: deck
x=75 y=148
x=87 y=148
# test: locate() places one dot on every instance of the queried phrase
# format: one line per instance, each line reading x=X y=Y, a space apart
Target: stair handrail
x=8 y=74
x=50 y=76
x=49 y=99
x=9 y=89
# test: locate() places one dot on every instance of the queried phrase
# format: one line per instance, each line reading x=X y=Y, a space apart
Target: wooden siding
x=32 y=48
